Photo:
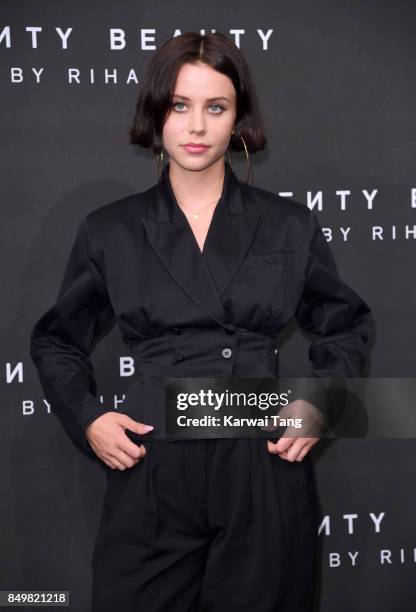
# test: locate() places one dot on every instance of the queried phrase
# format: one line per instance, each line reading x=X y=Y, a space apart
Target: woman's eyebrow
x=208 y=99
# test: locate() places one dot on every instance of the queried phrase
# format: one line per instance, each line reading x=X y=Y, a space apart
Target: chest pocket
x=277 y=257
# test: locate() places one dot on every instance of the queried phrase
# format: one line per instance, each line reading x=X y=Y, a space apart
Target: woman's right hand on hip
x=107 y=438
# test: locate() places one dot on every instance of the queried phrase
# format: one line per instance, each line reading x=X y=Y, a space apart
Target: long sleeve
x=337 y=315
x=65 y=336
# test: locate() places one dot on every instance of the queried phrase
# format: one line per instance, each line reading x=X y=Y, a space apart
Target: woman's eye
x=218 y=106
x=176 y=104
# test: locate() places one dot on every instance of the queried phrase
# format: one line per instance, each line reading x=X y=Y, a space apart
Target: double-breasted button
x=271 y=259
x=226 y=353
x=176 y=330
x=178 y=354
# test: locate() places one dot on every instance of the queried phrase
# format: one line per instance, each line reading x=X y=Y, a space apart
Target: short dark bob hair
x=158 y=84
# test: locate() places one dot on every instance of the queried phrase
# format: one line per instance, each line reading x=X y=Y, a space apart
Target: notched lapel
x=228 y=240
x=203 y=276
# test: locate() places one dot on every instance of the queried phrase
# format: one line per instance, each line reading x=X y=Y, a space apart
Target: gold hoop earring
x=159 y=161
x=248 y=164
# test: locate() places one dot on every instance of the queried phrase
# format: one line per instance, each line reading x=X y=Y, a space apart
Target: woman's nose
x=196 y=122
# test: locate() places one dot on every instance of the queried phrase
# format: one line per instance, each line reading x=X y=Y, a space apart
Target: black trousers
x=208 y=525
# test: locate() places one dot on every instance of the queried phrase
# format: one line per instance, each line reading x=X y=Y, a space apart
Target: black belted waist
x=189 y=352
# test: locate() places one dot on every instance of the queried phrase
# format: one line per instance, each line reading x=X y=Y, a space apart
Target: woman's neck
x=194 y=188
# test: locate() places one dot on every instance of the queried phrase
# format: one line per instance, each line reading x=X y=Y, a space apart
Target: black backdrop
x=337 y=90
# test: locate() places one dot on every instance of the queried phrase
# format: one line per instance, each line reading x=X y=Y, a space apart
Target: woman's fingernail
x=148 y=427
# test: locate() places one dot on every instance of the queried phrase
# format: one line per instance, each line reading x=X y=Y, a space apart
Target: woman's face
x=203 y=112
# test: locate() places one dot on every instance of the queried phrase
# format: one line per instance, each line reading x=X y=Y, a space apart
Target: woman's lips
x=195 y=148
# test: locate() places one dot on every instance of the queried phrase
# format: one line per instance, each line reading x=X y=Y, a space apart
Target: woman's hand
x=107 y=438
x=291 y=446
x=292 y=449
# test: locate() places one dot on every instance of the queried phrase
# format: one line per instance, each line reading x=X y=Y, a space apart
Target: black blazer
x=184 y=313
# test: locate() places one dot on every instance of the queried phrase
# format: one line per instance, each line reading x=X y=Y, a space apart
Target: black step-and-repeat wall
x=336 y=82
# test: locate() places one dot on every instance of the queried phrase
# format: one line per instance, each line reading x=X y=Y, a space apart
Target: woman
x=201 y=272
